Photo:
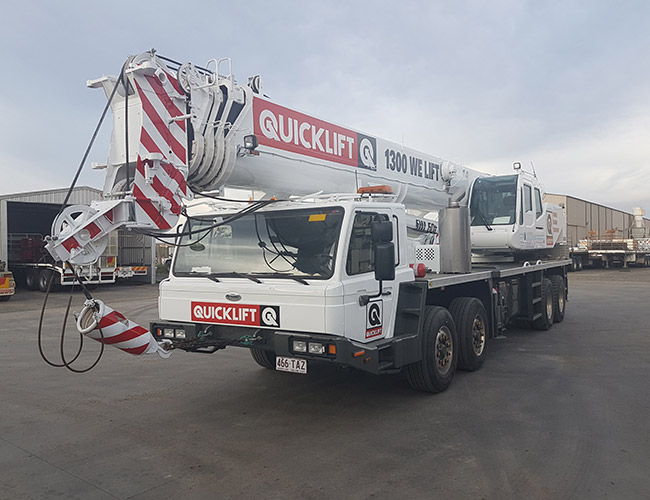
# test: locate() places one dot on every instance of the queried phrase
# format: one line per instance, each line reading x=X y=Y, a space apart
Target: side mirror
x=381 y=232
x=385 y=261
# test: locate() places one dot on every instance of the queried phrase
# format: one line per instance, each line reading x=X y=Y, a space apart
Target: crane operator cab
x=508 y=215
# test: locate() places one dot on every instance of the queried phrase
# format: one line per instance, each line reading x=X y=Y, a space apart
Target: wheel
x=471 y=321
x=263 y=358
x=31 y=279
x=435 y=371
x=580 y=264
x=545 y=321
x=559 y=298
x=5 y=298
x=574 y=264
x=44 y=276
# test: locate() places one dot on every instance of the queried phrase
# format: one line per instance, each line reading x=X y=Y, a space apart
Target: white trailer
x=601 y=236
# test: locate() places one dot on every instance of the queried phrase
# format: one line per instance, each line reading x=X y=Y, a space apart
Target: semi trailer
x=602 y=236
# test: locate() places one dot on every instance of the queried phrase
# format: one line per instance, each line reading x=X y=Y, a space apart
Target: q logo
x=270 y=316
x=367 y=152
x=373 y=315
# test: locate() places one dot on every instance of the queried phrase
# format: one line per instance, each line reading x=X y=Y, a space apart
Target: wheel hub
x=549 y=308
x=478 y=335
x=444 y=350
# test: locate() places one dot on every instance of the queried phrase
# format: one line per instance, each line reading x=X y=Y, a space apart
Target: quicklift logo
x=235 y=314
x=289 y=130
x=374 y=314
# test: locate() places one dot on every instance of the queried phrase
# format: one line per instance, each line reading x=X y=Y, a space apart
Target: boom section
x=181 y=128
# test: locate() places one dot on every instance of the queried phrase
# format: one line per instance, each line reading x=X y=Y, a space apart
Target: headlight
x=180 y=334
x=316 y=348
x=299 y=346
x=168 y=333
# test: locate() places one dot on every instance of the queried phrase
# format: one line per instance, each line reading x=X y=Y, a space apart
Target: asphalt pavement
x=557 y=414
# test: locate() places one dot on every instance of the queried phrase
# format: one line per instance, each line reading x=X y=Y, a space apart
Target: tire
x=580 y=264
x=545 y=321
x=263 y=358
x=5 y=298
x=435 y=371
x=559 y=298
x=44 y=276
x=471 y=321
x=574 y=264
x=31 y=279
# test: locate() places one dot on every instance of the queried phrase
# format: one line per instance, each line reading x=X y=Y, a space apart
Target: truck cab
x=300 y=266
x=7 y=283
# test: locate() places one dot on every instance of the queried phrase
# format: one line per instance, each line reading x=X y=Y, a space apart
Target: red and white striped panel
x=160 y=199
x=159 y=194
x=124 y=334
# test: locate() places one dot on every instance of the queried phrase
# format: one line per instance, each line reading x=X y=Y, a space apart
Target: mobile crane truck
x=358 y=253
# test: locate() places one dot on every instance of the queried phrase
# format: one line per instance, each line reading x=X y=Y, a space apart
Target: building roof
x=82 y=195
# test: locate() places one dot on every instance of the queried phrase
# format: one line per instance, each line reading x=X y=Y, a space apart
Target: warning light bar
x=375 y=190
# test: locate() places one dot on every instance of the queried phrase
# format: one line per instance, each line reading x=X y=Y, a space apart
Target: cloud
x=486 y=84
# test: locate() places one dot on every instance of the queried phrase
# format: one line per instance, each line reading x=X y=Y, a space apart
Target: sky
x=561 y=84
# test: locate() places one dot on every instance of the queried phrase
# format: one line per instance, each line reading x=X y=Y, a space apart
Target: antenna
x=356 y=181
x=533 y=165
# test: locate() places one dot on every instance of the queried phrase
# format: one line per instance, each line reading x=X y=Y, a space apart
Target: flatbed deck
x=485 y=272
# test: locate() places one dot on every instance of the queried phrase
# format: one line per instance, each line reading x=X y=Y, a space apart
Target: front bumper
x=380 y=356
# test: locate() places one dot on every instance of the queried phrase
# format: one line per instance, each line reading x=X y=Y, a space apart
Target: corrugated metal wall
x=584 y=216
x=135 y=250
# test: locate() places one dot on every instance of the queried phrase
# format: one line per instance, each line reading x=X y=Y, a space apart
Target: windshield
x=292 y=243
x=494 y=201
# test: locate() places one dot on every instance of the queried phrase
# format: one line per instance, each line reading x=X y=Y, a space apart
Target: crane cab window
x=494 y=200
x=361 y=255
x=538 y=203
x=528 y=198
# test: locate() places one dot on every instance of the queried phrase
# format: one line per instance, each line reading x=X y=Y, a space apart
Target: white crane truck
x=358 y=252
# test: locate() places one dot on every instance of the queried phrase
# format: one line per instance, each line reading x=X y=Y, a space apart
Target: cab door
x=370 y=321
x=540 y=219
x=527 y=217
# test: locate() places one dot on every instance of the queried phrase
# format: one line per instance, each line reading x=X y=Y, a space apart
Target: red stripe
x=146 y=205
x=171 y=108
x=175 y=83
x=139 y=166
x=152 y=113
x=131 y=334
x=109 y=215
x=93 y=229
x=148 y=142
x=176 y=175
x=137 y=350
x=111 y=318
x=70 y=243
x=163 y=191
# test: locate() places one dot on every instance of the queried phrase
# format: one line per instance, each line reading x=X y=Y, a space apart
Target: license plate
x=292 y=365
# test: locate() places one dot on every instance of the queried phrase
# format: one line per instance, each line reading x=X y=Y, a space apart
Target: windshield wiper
x=233 y=274
x=283 y=275
x=480 y=214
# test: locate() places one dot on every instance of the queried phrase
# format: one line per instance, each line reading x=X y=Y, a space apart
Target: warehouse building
x=30 y=215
